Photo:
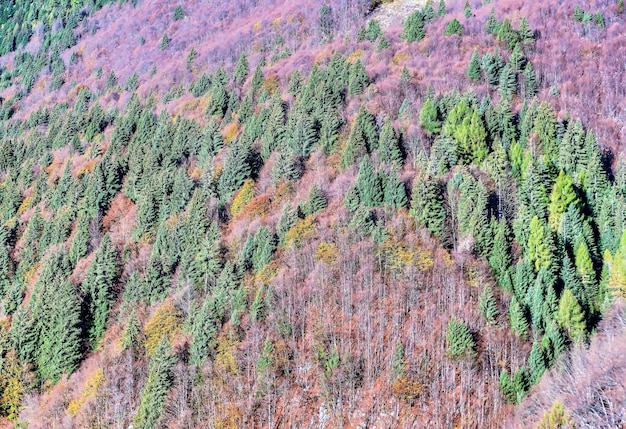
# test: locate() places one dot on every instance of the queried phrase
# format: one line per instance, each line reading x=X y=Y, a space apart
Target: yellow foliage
x=425 y=260
x=26 y=204
x=327 y=253
x=270 y=85
x=11 y=386
x=617 y=269
x=259 y=206
x=166 y=322
x=230 y=131
x=556 y=418
x=195 y=174
x=225 y=356
x=267 y=273
x=301 y=232
x=257 y=25
x=276 y=22
x=230 y=419
x=407 y=389
x=243 y=197
x=91 y=387
x=400 y=58
x=355 y=56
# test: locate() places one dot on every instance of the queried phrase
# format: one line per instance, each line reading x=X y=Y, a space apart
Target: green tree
x=474 y=67
x=530 y=81
x=460 y=340
x=204 y=331
x=157 y=385
x=165 y=41
x=454 y=27
x=517 y=318
x=441 y=10
x=394 y=191
x=492 y=25
x=414 y=27
x=427 y=205
x=316 y=202
x=241 y=69
x=98 y=288
x=369 y=185
x=487 y=305
x=389 y=145
x=179 y=13
x=429 y=119
x=398 y=363
x=540 y=252
x=467 y=10
x=536 y=363
x=556 y=418
x=357 y=78
x=570 y=315
x=563 y=194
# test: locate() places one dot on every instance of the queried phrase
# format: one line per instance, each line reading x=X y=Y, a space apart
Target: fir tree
x=394 y=191
x=460 y=340
x=487 y=305
x=429 y=118
x=536 y=363
x=473 y=68
x=389 y=145
x=414 y=27
x=357 y=80
x=517 y=318
x=154 y=392
x=571 y=316
x=369 y=185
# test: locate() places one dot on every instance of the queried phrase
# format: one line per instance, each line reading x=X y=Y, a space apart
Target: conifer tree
x=536 y=363
x=467 y=9
x=473 y=68
x=414 y=27
x=487 y=305
x=357 y=80
x=241 y=69
x=517 y=318
x=98 y=289
x=427 y=205
x=571 y=316
x=157 y=385
x=316 y=202
x=492 y=25
x=369 y=185
x=204 y=332
x=441 y=10
x=459 y=339
x=394 y=191
x=398 y=363
x=429 y=118
x=530 y=81
x=389 y=145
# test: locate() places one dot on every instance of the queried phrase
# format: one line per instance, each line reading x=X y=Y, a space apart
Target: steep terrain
x=275 y=213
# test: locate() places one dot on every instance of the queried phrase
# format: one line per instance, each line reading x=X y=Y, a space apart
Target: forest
x=267 y=213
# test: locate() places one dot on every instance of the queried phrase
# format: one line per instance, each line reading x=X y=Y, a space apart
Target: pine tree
x=526 y=34
x=394 y=191
x=398 y=363
x=429 y=118
x=427 y=205
x=459 y=339
x=517 y=318
x=507 y=84
x=441 y=10
x=487 y=305
x=241 y=69
x=454 y=27
x=157 y=385
x=59 y=351
x=500 y=258
x=570 y=316
x=130 y=337
x=467 y=10
x=317 y=201
x=414 y=27
x=540 y=252
x=530 y=81
x=536 y=363
x=492 y=25
x=357 y=80
x=204 y=333
x=389 y=145
x=473 y=68
x=98 y=288
x=369 y=185
x=506 y=386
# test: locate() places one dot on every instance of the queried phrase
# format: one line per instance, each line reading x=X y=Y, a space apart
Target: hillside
x=270 y=213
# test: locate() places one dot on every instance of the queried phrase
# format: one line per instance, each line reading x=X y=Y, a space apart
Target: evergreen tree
x=317 y=201
x=492 y=25
x=98 y=288
x=241 y=69
x=204 y=332
x=517 y=318
x=60 y=344
x=540 y=251
x=157 y=385
x=398 y=363
x=500 y=258
x=536 y=363
x=460 y=340
x=571 y=316
x=427 y=205
x=130 y=337
x=526 y=34
x=236 y=170
x=454 y=27
x=414 y=27
x=563 y=194
x=441 y=10
x=357 y=80
x=474 y=67
x=389 y=145
x=369 y=185
x=467 y=10
x=530 y=81
x=394 y=191
x=429 y=118
x=507 y=84
x=487 y=305
x=363 y=138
